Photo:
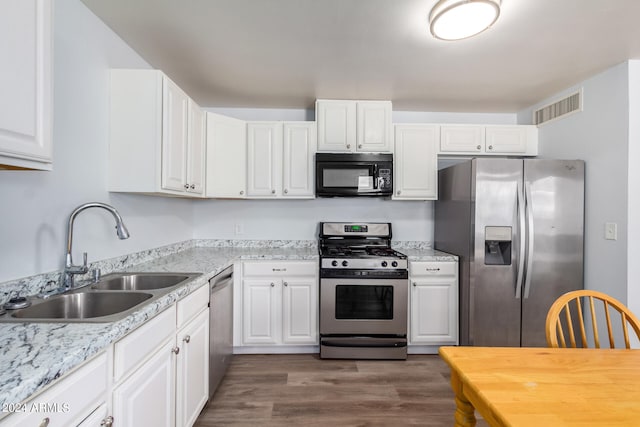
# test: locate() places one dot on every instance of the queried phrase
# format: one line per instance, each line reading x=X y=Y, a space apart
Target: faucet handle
x=84 y=259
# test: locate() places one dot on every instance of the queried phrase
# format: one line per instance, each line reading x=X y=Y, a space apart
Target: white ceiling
x=287 y=53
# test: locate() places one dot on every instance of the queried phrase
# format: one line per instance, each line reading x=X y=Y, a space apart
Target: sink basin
x=140 y=281
x=83 y=305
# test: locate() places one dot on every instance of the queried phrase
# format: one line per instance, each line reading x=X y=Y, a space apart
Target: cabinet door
x=226 y=157
x=374 y=126
x=264 y=159
x=147 y=398
x=299 y=146
x=261 y=301
x=415 y=167
x=462 y=138
x=192 y=378
x=507 y=139
x=196 y=149
x=174 y=136
x=336 y=125
x=26 y=84
x=299 y=311
x=433 y=311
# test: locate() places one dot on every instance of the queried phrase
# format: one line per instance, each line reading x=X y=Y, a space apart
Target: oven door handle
x=355 y=343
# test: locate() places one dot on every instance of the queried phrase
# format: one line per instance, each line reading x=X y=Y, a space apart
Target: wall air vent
x=558 y=109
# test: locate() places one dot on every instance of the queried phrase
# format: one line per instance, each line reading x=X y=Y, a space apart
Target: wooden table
x=545 y=386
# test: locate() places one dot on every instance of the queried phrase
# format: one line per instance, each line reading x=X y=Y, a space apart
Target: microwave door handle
x=375 y=176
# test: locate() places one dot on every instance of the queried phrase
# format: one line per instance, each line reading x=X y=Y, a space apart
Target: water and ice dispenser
x=497 y=245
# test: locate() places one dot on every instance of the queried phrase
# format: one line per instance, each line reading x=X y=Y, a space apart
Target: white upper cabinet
x=280 y=159
x=196 y=149
x=264 y=159
x=26 y=107
x=299 y=147
x=156 y=138
x=519 y=140
x=354 y=126
x=415 y=160
x=374 y=132
x=174 y=137
x=226 y=163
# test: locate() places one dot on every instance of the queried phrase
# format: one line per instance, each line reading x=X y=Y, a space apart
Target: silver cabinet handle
x=479 y=147
x=286 y=191
x=272 y=284
x=414 y=284
x=273 y=191
x=241 y=192
x=491 y=147
x=348 y=145
x=175 y=350
x=187 y=339
x=398 y=192
x=360 y=146
x=192 y=186
x=186 y=186
x=107 y=422
x=433 y=268
x=286 y=284
x=45 y=422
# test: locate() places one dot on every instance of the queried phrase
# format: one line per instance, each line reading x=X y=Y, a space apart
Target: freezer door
x=494 y=308
x=554 y=190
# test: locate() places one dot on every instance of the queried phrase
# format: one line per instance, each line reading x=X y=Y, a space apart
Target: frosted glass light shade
x=460 y=19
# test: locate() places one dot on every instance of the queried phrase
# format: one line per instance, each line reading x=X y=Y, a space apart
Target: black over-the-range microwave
x=348 y=175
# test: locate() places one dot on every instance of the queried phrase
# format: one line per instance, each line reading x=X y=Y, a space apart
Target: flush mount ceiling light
x=460 y=19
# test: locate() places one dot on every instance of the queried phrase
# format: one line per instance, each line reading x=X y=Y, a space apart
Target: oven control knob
x=384 y=263
x=334 y=263
x=394 y=264
x=345 y=263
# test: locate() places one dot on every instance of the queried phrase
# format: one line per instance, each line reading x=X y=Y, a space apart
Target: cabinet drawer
x=279 y=269
x=70 y=400
x=138 y=345
x=192 y=304
x=427 y=268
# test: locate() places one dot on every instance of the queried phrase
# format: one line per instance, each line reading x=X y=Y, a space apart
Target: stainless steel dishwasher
x=220 y=327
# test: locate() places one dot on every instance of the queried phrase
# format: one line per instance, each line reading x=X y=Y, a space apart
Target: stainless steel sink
x=111 y=298
x=140 y=281
x=87 y=306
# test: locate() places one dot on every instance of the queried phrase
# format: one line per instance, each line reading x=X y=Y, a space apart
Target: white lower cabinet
x=68 y=402
x=192 y=380
x=169 y=387
x=279 y=303
x=433 y=297
x=147 y=398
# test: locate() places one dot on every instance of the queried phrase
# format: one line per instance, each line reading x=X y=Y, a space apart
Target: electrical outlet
x=238 y=229
x=611 y=231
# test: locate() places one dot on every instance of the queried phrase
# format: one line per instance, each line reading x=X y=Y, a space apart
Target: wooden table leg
x=465 y=412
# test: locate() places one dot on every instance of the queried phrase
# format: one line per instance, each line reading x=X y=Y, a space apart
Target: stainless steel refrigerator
x=517 y=226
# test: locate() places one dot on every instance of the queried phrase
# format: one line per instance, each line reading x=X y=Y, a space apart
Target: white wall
x=633 y=243
x=36 y=205
x=598 y=135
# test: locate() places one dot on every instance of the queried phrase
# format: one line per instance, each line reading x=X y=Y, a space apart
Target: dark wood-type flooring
x=303 y=390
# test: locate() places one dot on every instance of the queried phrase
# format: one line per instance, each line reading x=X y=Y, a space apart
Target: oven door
x=359 y=306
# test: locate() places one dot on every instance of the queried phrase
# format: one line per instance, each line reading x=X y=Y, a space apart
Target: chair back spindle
x=568 y=316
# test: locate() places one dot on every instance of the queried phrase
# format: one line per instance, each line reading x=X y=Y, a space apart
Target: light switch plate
x=611 y=231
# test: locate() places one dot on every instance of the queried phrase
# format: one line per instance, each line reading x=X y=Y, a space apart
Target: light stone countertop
x=32 y=355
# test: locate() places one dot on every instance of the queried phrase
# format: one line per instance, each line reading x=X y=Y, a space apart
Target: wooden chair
x=567 y=312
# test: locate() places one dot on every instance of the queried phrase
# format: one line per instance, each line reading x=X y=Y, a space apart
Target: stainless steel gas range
x=363 y=292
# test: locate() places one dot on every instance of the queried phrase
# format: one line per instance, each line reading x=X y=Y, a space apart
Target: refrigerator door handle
x=530 y=234
x=520 y=203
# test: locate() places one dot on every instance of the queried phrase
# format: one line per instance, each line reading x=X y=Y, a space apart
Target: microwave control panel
x=384 y=179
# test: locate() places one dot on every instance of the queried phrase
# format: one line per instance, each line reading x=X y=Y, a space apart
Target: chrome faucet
x=71 y=270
